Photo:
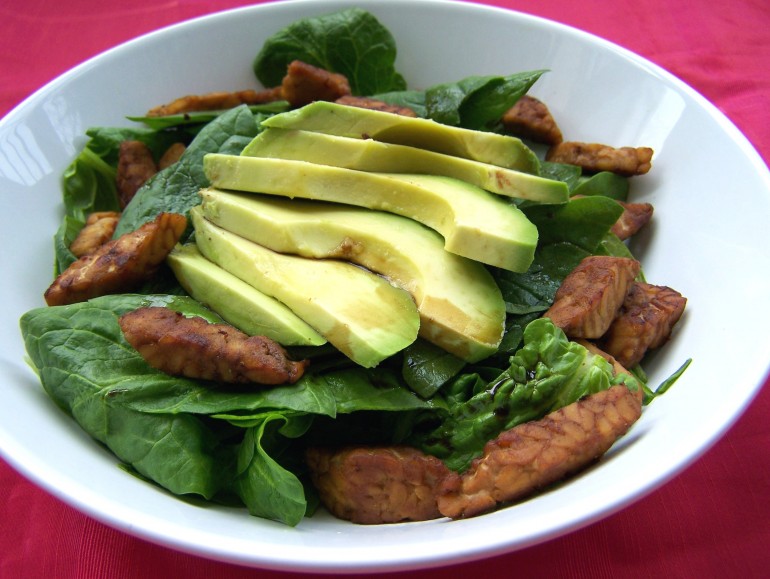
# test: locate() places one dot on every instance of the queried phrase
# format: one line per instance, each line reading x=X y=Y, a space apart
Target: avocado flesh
x=460 y=305
x=371 y=155
x=237 y=302
x=359 y=123
x=358 y=312
x=474 y=223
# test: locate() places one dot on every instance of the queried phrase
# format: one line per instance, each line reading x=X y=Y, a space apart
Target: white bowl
x=710 y=189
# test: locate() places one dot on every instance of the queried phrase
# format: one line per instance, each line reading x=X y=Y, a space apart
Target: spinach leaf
x=175 y=189
x=105 y=141
x=351 y=42
x=357 y=389
x=268 y=489
x=83 y=348
x=80 y=352
x=582 y=222
x=89 y=184
x=165 y=395
x=613 y=245
x=181 y=433
x=413 y=99
x=62 y=239
x=663 y=387
x=606 y=184
x=180 y=452
x=426 y=367
x=568 y=233
x=570 y=174
x=477 y=102
x=323 y=393
x=82 y=361
x=194 y=119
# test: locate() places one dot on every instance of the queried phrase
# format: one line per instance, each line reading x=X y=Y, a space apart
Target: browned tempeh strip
x=196 y=348
x=171 y=155
x=374 y=485
x=595 y=157
x=214 y=101
x=591 y=295
x=98 y=230
x=375 y=104
x=634 y=217
x=304 y=84
x=645 y=321
x=535 y=454
x=120 y=264
x=135 y=166
x=530 y=119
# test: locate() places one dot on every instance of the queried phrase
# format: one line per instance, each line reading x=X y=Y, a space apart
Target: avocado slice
x=237 y=302
x=474 y=223
x=358 y=312
x=360 y=123
x=460 y=305
x=371 y=155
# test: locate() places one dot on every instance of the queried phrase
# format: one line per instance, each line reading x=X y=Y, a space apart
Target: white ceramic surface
x=710 y=189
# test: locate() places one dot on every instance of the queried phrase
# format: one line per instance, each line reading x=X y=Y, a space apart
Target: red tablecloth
x=713 y=520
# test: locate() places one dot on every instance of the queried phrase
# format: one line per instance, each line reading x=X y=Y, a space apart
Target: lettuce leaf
x=547 y=373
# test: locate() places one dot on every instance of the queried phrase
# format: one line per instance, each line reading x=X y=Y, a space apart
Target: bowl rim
x=71 y=492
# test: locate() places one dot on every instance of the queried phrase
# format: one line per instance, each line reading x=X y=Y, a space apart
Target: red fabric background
x=710 y=521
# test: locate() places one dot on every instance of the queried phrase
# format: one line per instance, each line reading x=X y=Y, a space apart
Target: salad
x=244 y=445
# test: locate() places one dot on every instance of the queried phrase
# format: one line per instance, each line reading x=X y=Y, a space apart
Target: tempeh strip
x=535 y=454
x=196 y=348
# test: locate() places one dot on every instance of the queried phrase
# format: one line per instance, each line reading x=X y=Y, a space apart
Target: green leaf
x=412 y=99
x=267 y=489
x=83 y=362
x=80 y=351
x=175 y=189
x=89 y=185
x=663 y=387
x=570 y=174
x=568 y=233
x=65 y=235
x=105 y=141
x=358 y=389
x=477 y=102
x=547 y=373
x=426 y=367
x=582 y=222
x=325 y=393
x=191 y=119
x=614 y=246
x=351 y=42
x=179 y=452
x=606 y=184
